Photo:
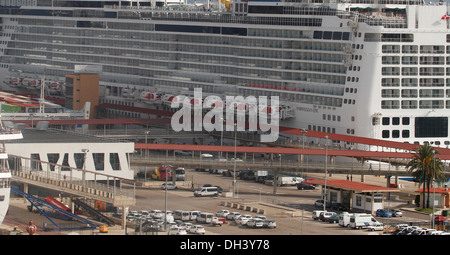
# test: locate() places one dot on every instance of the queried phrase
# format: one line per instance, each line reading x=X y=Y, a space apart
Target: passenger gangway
x=43 y=206
x=98 y=216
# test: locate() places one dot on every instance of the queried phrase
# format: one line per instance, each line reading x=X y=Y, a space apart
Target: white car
x=255 y=223
x=376 y=227
x=170 y=186
x=242 y=220
x=397 y=213
x=177 y=231
x=318 y=203
x=186 y=225
x=156 y=214
x=222 y=213
x=231 y=216
x=197 y=229
x=269 y=224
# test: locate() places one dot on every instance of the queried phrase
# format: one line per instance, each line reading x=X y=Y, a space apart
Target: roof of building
x=353 y=186
x=437 y=190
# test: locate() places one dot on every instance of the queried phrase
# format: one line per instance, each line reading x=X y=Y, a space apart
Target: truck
x=161 y=172
x=247 y=175
x=362 y=220
x=180 y=174
x=287 y=180
x=261 y=176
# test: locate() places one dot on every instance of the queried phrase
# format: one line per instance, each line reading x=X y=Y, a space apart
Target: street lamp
x=434 y=188
x=234 y=168
x=304 y=132
x=326 y=173
x=146 y=134
x=221 y=137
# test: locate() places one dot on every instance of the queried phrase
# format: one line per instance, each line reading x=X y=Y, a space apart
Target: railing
x=69 y=179
x=305 y=165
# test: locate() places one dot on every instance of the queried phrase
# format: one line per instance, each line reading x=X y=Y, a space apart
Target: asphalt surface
x=287 y=198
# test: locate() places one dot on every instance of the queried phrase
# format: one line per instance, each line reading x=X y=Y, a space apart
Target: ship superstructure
x=5 y=174
x=372 y=68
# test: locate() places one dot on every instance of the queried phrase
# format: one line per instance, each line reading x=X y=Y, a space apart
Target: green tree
x=424 y=167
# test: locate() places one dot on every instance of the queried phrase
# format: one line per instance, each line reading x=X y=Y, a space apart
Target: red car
x=440 y=218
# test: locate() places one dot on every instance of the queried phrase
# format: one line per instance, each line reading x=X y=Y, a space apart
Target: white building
x=64 y=148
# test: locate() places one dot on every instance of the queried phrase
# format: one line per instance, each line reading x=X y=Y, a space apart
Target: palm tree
x=424 y=167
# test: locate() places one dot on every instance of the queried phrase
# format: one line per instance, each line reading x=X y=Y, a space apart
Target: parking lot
x=259 y=195
x=290 y=208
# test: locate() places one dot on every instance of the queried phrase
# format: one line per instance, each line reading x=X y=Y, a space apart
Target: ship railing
x=69 y=178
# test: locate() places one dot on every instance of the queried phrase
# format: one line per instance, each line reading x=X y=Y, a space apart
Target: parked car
x=316 y=214
x=197 y=229
x=174 y=230
x=383 y=213
x=216 y=221
x=376 y=227
x=325 y=215
x=255 y=223
x=186 y=226
x=170 y=186
x=222 y=213
x=318 y=203
x=333 y=219
x=338 y=206
x=243 y=219
x=269 y=224
x=233 y=215
x=302 y=186
x=397 y=213
x=262 y=217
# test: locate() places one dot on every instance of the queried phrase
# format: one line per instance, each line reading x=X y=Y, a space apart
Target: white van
x=362 y=220
x=316 y=214
x=206 y=191
x=205 y=218
x=181 y=215
x=193 y=215
x=344 y=219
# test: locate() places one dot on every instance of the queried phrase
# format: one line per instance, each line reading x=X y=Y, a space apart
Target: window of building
x=431 y=127
x=405 y=133
x=99 y=161
x=405 y=120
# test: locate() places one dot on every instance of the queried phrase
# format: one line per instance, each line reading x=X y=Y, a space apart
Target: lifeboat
x=35 y=84
x=150 y=97
x=167 y=99
x=15 y=81
x=53 y=86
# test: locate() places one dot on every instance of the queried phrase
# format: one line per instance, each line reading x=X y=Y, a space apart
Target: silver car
x=397 y=213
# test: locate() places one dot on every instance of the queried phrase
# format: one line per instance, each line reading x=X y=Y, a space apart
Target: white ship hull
x=375 y=70
x=5 y=190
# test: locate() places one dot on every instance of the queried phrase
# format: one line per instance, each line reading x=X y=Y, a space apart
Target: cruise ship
x=370 y=68
x=5 y=174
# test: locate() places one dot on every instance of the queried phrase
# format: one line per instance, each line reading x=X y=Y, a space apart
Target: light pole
x=304 y=132
x=221 y=137
x=326 y=173
x=234 y=168
x=434 y=188
x=146 y=134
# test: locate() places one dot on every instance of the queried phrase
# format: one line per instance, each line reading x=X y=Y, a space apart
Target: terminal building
x=354 y=196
